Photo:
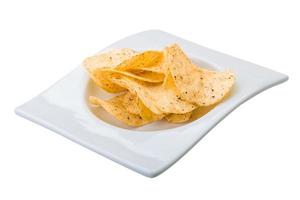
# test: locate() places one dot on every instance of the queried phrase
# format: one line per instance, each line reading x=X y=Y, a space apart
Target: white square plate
x=150 y=149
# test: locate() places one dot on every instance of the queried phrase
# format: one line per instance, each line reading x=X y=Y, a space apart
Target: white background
x=252 y=154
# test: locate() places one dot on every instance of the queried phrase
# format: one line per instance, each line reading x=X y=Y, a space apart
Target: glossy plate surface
x=150 y=149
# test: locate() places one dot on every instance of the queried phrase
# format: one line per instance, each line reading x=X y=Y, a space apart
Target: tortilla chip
x=130 y=102
x=158 y=98
x=141 y=60
x=116 y=108
x=178 y=118
x=150 y=77
x=147 y=114
x=196 y=85
x=109 y=59
x=156 y=69
x=102 y=79
x=135 y=106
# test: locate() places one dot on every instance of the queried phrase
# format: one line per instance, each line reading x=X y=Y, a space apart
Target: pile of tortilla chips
x=155 y=85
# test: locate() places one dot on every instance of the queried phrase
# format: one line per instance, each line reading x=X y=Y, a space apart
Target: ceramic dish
x=153 y=148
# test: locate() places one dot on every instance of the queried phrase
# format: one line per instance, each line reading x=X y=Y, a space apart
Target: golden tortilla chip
x=103 y=79
x=199 y=86
x=147 y=114
x=150 y=77
x=156 y=69
x=178 y=118
x=158 y=98
x=116 y=108
x=109 y=59
x=130 y=102
x=135 y=106
x=141 y=60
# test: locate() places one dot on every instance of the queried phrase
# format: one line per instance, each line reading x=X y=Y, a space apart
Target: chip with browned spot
x=197 y=85
x=110 y=59
x=116 y=108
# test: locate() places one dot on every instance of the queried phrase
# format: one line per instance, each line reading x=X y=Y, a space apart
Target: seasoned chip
x=135 y=106
x=116 y=108
x=141 y=60
x=178 y=118
x=199 y=86
x=158 y=98
x=130 y=102
x=147 y=114
x=150 y=77
x=157 y=68
x=110 y=59
x=102 y=78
